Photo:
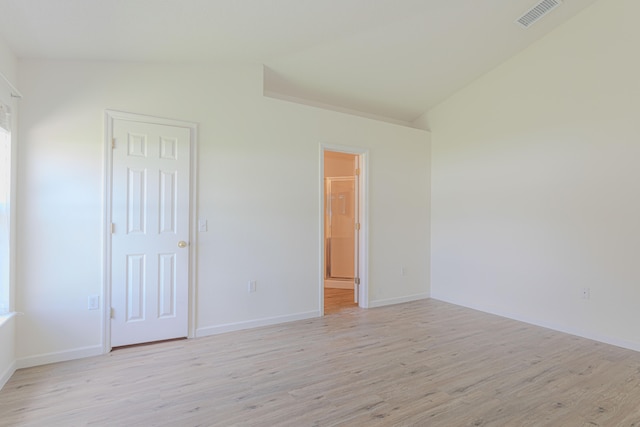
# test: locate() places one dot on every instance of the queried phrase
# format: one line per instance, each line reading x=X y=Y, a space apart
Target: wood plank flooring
x=424 y=363
x=337 y=300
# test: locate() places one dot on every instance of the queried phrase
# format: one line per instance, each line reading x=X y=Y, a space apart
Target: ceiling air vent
x=536 y=13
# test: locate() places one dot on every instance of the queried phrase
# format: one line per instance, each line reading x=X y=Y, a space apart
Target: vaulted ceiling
x=394 y=59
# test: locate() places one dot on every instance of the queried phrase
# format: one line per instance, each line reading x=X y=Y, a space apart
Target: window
x=5 y=209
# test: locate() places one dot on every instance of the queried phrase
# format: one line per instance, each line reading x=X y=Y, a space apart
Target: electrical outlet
x=94 y=302
x=585 y=293
x=252 y=286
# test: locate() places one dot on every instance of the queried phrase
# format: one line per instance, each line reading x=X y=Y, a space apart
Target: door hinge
x=113 y=228
x=112 y=313
x=357 y=280
x=357 y=171
x=357 y=226
x=113 y=143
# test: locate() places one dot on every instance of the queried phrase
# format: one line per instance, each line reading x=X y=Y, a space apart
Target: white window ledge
x=7 y=316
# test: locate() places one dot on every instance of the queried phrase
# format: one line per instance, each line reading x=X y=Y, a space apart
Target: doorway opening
x=342 y=223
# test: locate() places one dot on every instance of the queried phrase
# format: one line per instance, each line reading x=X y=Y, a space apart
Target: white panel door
x=150 y=215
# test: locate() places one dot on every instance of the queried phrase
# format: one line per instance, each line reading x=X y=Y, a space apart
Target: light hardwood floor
x=424 y=363
x=337 y=300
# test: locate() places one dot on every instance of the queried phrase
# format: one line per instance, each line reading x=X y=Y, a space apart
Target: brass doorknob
x=182 y=244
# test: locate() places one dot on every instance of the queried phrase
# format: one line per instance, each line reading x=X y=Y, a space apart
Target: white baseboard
x=60 y=356
x=629 y=345
x=400 y=300
x=6 y=375
x=230 y=327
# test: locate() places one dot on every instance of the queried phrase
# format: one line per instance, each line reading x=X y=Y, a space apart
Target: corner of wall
x=422 y=122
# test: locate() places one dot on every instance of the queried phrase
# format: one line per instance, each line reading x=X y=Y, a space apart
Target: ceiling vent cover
x=536 y=13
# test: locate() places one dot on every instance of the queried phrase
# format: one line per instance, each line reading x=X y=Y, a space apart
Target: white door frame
x=109 y=117
x=363 y=267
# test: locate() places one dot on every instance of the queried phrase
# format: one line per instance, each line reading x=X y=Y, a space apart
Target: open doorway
x=341 y=278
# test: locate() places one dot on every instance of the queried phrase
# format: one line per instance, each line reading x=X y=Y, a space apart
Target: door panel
x=341 y=227
x=150 y=213
x=356 y=231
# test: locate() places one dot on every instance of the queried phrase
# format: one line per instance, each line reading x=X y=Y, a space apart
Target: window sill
x=5 y=317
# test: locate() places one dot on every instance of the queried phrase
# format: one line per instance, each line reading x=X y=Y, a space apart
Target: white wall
x=259 y=183
x=8 y=67
x=536 y=182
